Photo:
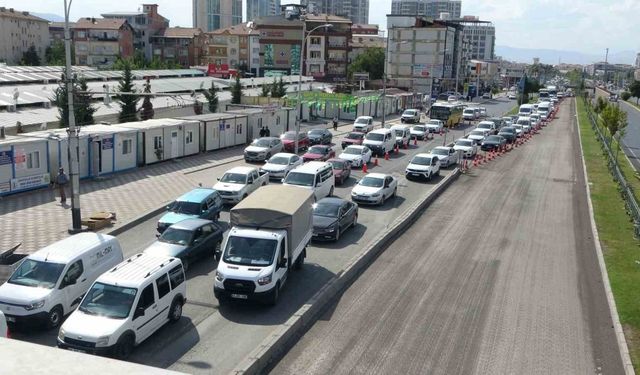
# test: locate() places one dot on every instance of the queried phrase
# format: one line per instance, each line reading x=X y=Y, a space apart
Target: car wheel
x=300 y=261
x=275 y=294
x=331 y=192
x=216 y=251
x=54 y=318
x=268 y=156
x=175 y=312
x=438 y=173
x=124 y=347
x=395 y=192
x=429 y=176
x=355 y=221
x=185 y=264
x=338 y=233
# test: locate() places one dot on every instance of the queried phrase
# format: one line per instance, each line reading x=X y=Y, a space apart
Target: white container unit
x=24 y=164
x=220 y=130
x=257 y=117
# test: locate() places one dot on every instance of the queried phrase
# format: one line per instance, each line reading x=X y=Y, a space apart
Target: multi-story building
x=182 y=45
x=279 y=41
x=237 y=46
x=361 y=29
x=209 y=15
x=638 y=61
x=56 y=31
x=427 y=8
x=355 y=10
x=425 y=55
x=145 y=24
x=99 y=42
x=261 y=8
x=481 y=35
x=20 y=31
x=364 y=37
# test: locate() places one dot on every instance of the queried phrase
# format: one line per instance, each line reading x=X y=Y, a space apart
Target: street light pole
x=72 y=143
x=384 y=82
x=305 y=36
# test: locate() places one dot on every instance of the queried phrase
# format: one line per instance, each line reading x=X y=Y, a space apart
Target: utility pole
x=299 y=101
x=72 y=143
x=606 y=65
x=384 y=83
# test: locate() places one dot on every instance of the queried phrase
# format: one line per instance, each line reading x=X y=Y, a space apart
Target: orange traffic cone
x=406 y=145
x=375 y=161
x=415 y=141
x=397 y=149
x=364 y=168
x=386 y=155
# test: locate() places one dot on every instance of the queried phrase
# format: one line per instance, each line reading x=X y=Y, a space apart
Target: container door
x=174 y=144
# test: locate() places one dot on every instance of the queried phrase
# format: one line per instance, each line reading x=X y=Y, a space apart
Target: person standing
x=62 y=180
x=335 y=123
x=262 y=132
x=267 y=132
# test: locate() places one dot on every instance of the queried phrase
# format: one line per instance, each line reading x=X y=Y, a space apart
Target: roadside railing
x=630 y=202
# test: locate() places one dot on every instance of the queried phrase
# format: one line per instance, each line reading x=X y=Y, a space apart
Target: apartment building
x=355 y=10
x=182 y=45
x=56 y=31
x=327 y=49
x=99 y=42
x=20 y=30
x=481 y=35
x=427 y=8
x=364 y=37
x=279 y=40
x=145 y=24
x=237 y=47
x=209 y=15
x=261 y=8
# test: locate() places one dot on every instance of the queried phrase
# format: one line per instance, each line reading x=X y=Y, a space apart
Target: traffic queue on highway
x=112 y=304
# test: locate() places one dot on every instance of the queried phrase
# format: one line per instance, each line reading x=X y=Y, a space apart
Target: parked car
x=353 y=138
x=419 y=132
x=198 y=203
x=477 y=135
x=435 y=126
x=508 y=133
x=375 y=188
x=289 y=140
x=423 y=166
x=188 y=240
x=468 y=147
x=493 y=142
x=238 y=182
x=512 y=96
x=319 y=137
x=487 y=95
x=280 y=164
x=319 y=153
x=410 y=116
x=332 y=216
x=363 y=124
x=357 y=155
x=341 y=169
x=262 y=148
x=447 y=155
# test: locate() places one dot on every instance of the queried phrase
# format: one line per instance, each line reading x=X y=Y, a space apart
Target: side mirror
x=157 y=235
x=282 y=180
x=139 y=312
x=218 y=178
x=282 y=263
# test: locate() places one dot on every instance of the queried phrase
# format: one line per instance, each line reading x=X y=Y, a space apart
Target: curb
x=279 y=341
x=137 y=220
x=622 y=343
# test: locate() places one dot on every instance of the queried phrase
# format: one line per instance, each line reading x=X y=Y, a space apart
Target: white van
x=380 y=141
x=543 y=110
x=315 y=175
x=403 y=134
x=50 y=283
x=126 y=305
x=525 y=110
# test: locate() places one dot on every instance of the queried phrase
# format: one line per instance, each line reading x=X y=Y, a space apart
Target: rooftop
x=13 y=13
x=60 y=25
x=181 y=32
x=240 y=29
x=100 y=23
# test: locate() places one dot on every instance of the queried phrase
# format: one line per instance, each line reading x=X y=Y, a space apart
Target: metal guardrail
x=630 y=202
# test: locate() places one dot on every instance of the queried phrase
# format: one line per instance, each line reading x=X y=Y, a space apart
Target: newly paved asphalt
x=214 y=339
x=498 y=276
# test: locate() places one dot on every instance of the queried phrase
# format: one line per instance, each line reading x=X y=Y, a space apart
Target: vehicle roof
x=196 y=195
x=241 y=169
x=359 y=147
x=425 y=155
x=284 y=154
x=526 y=106
x=357 y=132
x=380 y=131
x=321 y=146
x=443 y=147
x=367 y=117
x=318 y=129
x=190 y=224
x=399 y=126
x=270 y=198
x=332 y=201
x=486 y=122
x=135 y=270
x=311 y=167
x=338 y=159
x=377 y=175
x=68 y=249
x=410 y=109
x=270 y=138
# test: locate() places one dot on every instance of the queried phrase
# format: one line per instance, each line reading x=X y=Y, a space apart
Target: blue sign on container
x=6 y=157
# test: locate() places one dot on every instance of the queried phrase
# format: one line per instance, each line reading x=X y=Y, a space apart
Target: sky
x=587 y=26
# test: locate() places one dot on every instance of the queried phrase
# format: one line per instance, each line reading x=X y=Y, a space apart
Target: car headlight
x=354 y=193
x=265 y=279
x=375 y=195
x=102 y=341
x=219 y=276
x=34 y=305
x=61 y=334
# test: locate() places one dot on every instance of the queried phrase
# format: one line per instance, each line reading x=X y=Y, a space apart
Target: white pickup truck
x=237 y=183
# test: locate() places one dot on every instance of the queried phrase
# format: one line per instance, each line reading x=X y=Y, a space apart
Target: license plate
x=239 y=296
x=77 y=350
x=415 y=174
x=10 y=319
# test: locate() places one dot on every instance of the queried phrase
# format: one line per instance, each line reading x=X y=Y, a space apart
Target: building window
x=233 y=51
x=315 y=55
x=33 y=160
x=315 y=41
x=189 y=138
x=126 y=147
x=82 y=34
x=157 y=142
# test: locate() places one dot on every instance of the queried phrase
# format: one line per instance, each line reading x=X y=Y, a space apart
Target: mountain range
x=49 y=17
x=550 y=56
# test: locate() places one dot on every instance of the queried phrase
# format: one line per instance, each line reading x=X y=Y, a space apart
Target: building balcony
x=314 y=47
x=336 y=59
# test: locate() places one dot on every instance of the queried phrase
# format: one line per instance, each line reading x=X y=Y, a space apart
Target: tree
x=55 y=55
x=146 y=111
x=30 y=57
x=634 y=89
x=128 y=103
x=371 y=60
x=82 y=108
x=614 y=119
x=626 y=95
x=601 y=104
x=282 y=90
x=266 y=88
x=211 y=95
x=236 y=91
x=197 y=107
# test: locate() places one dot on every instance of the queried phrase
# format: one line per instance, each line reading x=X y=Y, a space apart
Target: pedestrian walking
x=267 y=132
x=62 y=180
x=262 y=132
x=335 y=123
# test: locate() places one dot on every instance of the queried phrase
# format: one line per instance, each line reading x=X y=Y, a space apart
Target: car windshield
x=176 y=236
x=440 y=151
x=246 y=251
x=260 y=142
x=300 y=179
x=326 y=209
x=493 y=138
x=371 y=182
x=517 y=127
x=280 y=160
x=477 y=132
x=523 y=122
x=318 y=150
x=421 y=160
x=507 y=130
x=234 y=178
x=399 y=132
x=464 y=142
x=434 y=122
x=110 y=301
x=352 y=151
x=375 y=137
x=525 y=110
x=362 y=121
x=337 y=164
x=184 y=207
x=289 y=136
x=355 y=136
x=484 y=126
x=316 y=132
x=409 y=112
x=469 y=111
x=419 y=128
x=37 y=274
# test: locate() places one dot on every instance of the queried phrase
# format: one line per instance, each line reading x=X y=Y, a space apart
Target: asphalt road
x=214 y=339
x=498 y=276
x=631 y=140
